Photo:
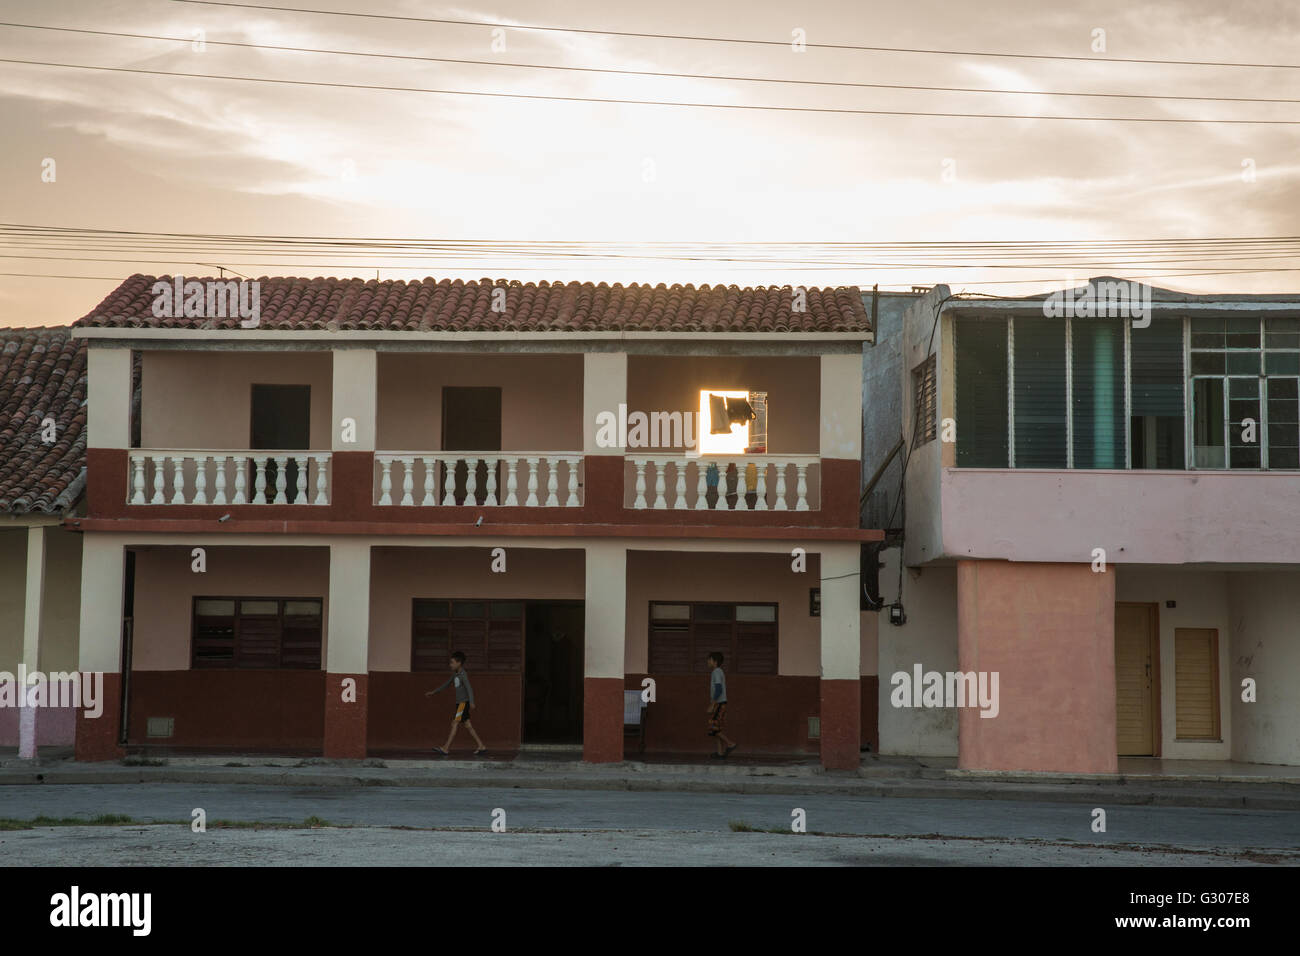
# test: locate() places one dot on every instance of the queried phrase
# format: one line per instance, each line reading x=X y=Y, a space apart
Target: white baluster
x=241 y=464
x=408 y=481
x=300 y=481
x=679 y=501
x=430 y=466
x=259 y=480
x=491 y=500
x=178 y=480
x=512 y=482
x=471 y=482
x=281 y=479
x=159 y=476
x=701 y=483
x=385 y=482
x=639 y=504
x=742 y=472
x=801 y=504
x=200 y=480
x=219 y=463
x=780 y=487
x=531 y=502
x=760 y=496
x=660 y=486
x=137 y=480
x=322 y=498
x=552 y=483
x=572 y=500
x=449 y=482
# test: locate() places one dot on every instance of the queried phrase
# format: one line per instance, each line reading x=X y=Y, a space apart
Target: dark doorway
x=553 y=686
x=281 y=421
x=471 y=421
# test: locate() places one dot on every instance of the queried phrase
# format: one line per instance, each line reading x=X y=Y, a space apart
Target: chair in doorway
x=634 y=715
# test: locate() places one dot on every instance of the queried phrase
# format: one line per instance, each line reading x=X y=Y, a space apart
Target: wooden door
x=1135 y=679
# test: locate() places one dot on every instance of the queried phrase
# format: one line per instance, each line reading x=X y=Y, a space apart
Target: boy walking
x=718 y=705
x=464 y=703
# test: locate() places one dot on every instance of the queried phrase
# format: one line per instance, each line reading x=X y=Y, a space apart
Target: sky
x=223 y=157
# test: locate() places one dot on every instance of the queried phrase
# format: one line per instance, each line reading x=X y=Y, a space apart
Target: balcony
x=713 y=483
x=187 y=477
x=527 y=479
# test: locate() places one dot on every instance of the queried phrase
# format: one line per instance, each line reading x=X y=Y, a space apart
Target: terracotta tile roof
x=42 y=375
x=447 y=305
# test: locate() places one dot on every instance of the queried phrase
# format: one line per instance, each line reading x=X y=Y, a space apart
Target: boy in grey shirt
x=718 y=705
x=464 y=703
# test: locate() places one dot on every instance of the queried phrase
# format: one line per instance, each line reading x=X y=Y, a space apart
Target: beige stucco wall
x=203 y=400
x=399 y=575
x=165 y=587
x=541 y=398
x=62 y=603
x=660 y=383
x=1264 y=607
x=739 y=578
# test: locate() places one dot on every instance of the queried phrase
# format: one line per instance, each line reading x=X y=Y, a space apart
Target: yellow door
x=1134 y=669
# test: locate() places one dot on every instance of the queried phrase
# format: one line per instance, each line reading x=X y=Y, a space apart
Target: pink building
x=291 y=525
x=1102 y=506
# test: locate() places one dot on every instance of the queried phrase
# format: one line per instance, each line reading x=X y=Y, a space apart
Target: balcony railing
x=718 y=483
x=526 y=479
x=178 y=477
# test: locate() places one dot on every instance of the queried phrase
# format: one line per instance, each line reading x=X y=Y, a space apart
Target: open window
x=732 y=422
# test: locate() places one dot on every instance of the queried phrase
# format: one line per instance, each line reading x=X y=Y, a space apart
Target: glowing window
x=732 y=442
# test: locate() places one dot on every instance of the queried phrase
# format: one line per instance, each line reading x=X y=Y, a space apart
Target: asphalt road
x=628 y=828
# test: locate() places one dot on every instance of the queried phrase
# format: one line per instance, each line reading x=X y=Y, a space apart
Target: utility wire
x=538 y=28
x=657 y=73
x=628 y=102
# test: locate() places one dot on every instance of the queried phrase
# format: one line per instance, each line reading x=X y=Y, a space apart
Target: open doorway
x=553 y=686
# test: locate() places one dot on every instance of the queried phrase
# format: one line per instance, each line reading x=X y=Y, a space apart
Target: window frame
x=235 y=619
x=731 y=652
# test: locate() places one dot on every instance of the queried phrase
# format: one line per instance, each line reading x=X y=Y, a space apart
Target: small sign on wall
x=815 y=602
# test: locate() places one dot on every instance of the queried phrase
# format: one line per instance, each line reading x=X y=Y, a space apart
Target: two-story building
x=1101 y=505
x=292 y=522
x=42 y=480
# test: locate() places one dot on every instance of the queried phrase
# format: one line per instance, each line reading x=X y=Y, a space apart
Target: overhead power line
x=627 y=102
x=538 y=28
x=846 y=84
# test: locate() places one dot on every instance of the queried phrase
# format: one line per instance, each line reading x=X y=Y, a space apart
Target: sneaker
x=480 y=751
x=439 y=750
x=729 y=750
x=716 y=756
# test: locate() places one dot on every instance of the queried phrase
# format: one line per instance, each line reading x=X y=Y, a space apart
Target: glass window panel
x=1245 y=456
x=259 y=608
x=302 y=608
x=1097 y=397
x=469 y=609
x=1277 y=341
x=1207 y=422
x=1208 y=333
x=1208 y=363
x=1282 y=363
x=755 y=612
x=1283 y=423
x=980 y=393
x=1291 y=326
x=715 y=612
x=1243 y=363
x=212 y=607
x=430 y=610
x=1040 y=411
x=670 y=612
x=507 y=610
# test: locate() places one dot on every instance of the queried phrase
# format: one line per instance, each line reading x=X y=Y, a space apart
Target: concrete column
x=103 y=568
x=33 y=609
x=108 y=409
x=841 y=407
x=347 y=650
x=604 y=388
x=841 y=651
x=355 y=395
x=1048 y=632
x=605 y=617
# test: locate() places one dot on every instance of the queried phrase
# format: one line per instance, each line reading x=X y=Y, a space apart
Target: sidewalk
x=1149 y=783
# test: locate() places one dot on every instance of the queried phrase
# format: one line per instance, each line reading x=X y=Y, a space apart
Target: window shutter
x=1195 y=677
x=1039 y=346
x=1157 y=356
x=980 y=395
x=1097 y=392
x=924 y=410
